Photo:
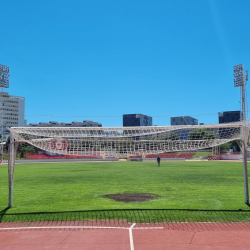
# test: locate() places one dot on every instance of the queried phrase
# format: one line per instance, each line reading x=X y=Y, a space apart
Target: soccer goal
x=123 y=142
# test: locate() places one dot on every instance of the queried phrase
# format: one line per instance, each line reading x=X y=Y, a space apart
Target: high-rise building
x=183 y=120
x=226 y=117
x=132 y=120
x=13 y=112
x=229 y=116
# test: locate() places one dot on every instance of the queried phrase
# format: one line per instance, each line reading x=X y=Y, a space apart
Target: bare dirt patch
x=131 y=197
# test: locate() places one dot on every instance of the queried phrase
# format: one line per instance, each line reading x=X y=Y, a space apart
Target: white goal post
x=123 y=142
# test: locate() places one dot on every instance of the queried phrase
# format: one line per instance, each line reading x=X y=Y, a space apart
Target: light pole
x=240 y=80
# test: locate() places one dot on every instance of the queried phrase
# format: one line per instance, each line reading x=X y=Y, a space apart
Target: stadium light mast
x=240 y=80
x=4 y=83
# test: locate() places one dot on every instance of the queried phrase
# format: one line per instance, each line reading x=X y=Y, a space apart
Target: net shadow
x=124 y=218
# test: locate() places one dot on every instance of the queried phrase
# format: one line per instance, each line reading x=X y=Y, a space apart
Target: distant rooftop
x=65 y=124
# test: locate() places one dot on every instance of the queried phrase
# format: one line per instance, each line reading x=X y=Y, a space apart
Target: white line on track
x=148 y=228
x=78 y=227
x=64 y=227
x=131 y=237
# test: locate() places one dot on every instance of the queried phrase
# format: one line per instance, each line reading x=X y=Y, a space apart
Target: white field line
x=148 y=228
x=131 y=237
x=77 y=227
x=63 y=227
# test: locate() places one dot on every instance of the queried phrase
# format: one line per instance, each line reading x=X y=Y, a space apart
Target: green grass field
x=179 y=186
x=198 y=154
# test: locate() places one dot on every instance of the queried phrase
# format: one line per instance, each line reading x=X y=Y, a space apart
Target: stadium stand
x=136 y=157
x=72 y=157
x=168 y=155
x=44 y=156
x=186 y=155
x=38 y=157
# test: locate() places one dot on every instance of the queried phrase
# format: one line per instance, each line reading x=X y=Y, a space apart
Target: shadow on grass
x=131 y=215
x=3 y=212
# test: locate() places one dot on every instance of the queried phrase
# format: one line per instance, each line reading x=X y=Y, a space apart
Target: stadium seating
x=168 y=155
x=186 y=155
x=72 y=157
x=43 y=156
x=38 y=157
x=135 y=157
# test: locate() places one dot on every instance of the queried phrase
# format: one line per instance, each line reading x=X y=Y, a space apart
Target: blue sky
x=97 y=60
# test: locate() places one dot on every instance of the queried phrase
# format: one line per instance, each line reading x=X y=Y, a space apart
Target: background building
x=229 y=116
x=85 y=123
x=13 y=111
x=131 y=120
x=183 y=120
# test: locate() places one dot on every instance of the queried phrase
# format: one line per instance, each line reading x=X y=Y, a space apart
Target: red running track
x=177 y=236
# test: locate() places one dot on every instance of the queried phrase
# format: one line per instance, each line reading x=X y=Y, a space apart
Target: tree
x=225 y=147
x=230 y=145
x=172 y=137
x=235 y=145
x=209 y=135
x=26 y=149
x=201 y=134
x=197 y=134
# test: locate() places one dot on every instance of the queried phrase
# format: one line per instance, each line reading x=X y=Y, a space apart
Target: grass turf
x=198 y=154
x=182 y=188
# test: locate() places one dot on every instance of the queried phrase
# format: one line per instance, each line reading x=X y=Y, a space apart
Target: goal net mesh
x=130 y=141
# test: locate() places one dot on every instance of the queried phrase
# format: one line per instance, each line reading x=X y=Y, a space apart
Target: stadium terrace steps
x=47 y=157
x=186 y=155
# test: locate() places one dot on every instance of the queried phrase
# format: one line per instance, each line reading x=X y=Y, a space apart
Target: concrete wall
x=231 y=156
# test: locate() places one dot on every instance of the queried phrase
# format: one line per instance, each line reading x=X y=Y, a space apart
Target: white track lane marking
x=78 y=227
x=131 y=237
x=64 y=227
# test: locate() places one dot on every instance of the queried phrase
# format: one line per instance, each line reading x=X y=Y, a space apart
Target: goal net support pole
x=11 y=167
x=245 y=170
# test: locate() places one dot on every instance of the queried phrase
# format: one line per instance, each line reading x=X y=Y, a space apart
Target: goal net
x=130 y=141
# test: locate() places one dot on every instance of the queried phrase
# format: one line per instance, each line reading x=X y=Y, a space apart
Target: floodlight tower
x=240 y=80
x=4 y=83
